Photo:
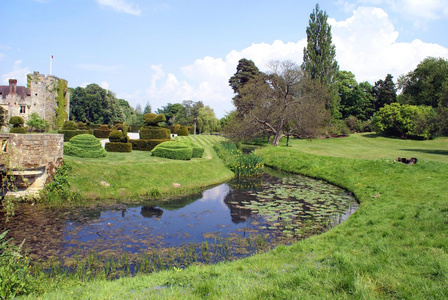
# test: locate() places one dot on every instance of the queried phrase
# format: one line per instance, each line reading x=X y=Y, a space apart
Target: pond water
x=228 y=221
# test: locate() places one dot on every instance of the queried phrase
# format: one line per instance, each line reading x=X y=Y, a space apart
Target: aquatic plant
x=243 y=165
x=15 y=275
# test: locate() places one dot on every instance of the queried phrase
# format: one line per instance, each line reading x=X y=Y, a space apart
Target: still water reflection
x=277 y=207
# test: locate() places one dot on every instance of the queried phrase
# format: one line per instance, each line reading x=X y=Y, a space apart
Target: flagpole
x=51 y=62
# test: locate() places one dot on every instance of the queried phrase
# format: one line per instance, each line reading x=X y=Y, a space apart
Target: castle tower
x=49 y=98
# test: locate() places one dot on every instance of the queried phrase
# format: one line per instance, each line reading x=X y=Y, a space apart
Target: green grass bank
x=137 y=175
x=394 y=247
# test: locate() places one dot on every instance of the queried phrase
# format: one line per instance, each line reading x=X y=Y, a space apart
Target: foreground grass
x=135 y=175
x=394 y=246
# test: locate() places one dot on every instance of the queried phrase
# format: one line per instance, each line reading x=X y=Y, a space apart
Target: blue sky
x=171 y=50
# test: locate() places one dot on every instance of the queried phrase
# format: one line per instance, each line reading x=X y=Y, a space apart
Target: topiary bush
x=151 y=119
x=147 y=133
x=70 y=125
x=146 y=145
x=84 y=145
x=16 y=121
x=183 y=131
x=197 y=150
x=173 y=150
x=81 y=126
x=102 y=132
x=17 y=130
x=68 y=134
x=118 y=147
x=17 y=125
x=115 y=136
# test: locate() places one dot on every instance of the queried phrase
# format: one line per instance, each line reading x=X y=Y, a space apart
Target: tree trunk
x=278 y=134
x=287 y=140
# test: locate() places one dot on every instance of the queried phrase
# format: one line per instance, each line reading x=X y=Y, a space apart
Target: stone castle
x=47 y=96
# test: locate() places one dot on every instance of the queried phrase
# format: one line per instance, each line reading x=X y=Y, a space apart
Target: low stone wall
x=33 y=157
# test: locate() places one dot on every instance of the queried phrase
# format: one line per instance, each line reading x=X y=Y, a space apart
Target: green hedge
x=68 y=134
x=17 y=130
x=197 y=150
x=118 y=147
x=146 y=145
x=102 y=133
x=173 y=150
x=84 y=145
x=70 y=125
x=154 y=133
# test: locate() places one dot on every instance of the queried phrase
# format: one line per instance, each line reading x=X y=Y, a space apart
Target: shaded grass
x=127 y=176
x=394 y=246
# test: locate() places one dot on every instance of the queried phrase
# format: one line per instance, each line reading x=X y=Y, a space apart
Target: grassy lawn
x=394 y=246
x=128 y=176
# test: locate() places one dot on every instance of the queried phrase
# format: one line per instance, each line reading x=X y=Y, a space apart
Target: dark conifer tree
x=319 y=55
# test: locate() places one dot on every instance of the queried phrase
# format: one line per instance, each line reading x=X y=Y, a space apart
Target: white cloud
x=366 y=44
x=104 y=85
x=420 y=12
x=18 y=72
x=121 y=6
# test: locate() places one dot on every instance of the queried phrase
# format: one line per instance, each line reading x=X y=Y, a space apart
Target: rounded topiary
x=81 y=125
x=176 y=128
x=84 y=145
x=17 y=130
x=173 y=150
x=70 y=125
x=104 y=127
x=16 y=121
x=151 y=119
x=115 y=136
x=183 y=131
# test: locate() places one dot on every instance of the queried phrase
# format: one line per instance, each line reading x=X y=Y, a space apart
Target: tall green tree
x=246 y=71
x=427 y=84
x=355 y=99
x=384 y=92
x=148 y=108
x=319 y=55
x=95 y=104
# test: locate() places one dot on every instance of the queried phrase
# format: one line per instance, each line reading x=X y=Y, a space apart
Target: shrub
x=16 y=278
x=173 y=150
x=16 y=121
x=68 y=134
x=84 y=145
x=118 y=147
x=147 y=133
x=18 y=130
x=405 y=121
x=70 y=125
x=183 y=131
x=337 y=128
x=151 y=119
x=146 y=145
x=115 y=136
x=58 y=190
x=243 y=165
x=81 y=126
x=102 y=132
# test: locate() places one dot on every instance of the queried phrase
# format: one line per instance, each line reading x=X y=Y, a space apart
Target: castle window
x=22 y=109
